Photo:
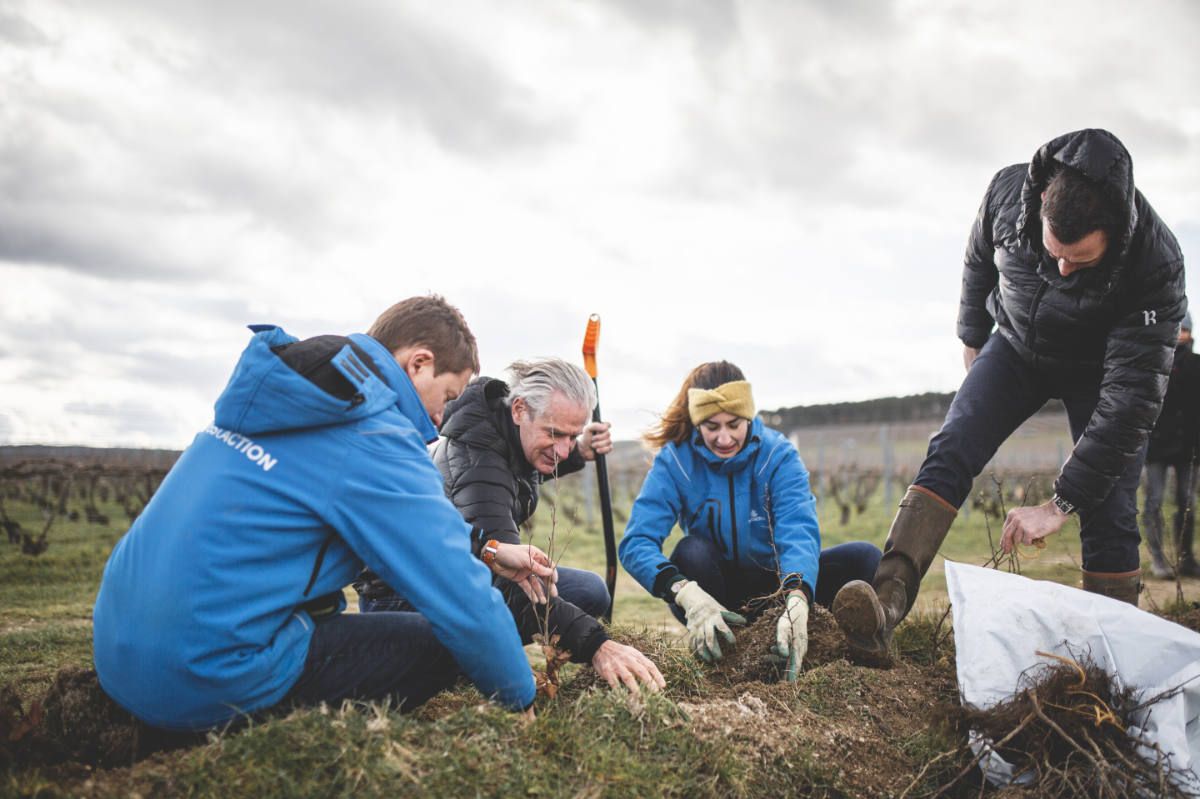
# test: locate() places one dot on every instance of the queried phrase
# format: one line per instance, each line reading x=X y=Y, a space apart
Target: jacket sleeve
x=1137 y=364
x=793 y=513
x=578 y=633
x=391 y=510
x=654 y=514
x=979 y=277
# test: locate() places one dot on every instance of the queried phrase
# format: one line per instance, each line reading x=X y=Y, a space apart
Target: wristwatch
x=1062 y=505
x=489 y=551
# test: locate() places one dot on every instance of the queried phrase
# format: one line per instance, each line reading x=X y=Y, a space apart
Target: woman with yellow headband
x=740 y=493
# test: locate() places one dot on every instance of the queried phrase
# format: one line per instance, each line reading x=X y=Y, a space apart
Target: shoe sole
x=860 y=617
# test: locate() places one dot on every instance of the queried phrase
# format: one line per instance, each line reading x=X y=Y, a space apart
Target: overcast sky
x=788 y=185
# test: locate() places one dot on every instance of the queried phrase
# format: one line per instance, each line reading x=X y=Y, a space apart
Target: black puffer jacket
x=496 y=489
x=480 y=457
x=1177 y=433
x=1117 y=321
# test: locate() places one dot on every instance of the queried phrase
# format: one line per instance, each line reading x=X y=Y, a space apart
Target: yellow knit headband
x=734 y=397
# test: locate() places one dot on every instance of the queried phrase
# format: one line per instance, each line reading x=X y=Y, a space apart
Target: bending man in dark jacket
x=1173 y=444
x=497 y=445
x=1083 y=284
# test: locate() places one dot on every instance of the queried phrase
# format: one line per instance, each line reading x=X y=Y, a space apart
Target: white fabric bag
x=1002 y=620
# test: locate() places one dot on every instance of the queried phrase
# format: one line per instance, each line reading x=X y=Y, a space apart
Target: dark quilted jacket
x=1175 y=436
x=496 y=489
x=1118 y=320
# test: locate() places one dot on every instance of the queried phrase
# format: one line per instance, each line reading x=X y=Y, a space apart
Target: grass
x=588 y=743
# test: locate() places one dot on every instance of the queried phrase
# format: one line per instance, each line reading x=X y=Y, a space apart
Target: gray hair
x=536 y=380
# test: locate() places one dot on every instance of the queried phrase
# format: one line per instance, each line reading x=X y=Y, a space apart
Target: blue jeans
x=374 y=656
x=583 y=589
x=700 y=560
x=999 y=393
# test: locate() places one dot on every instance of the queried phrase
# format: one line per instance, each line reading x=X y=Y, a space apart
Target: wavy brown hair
x=675 y=425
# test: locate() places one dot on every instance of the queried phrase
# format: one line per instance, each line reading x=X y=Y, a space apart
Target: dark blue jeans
x=583 y=589
x=374 y=656
x=700 y=560
x=999 y=393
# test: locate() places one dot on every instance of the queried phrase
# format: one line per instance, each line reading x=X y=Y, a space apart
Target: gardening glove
x=791 y=635
x=706 y=618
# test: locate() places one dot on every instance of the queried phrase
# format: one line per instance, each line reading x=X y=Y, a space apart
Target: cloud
x=20 y=32
x=119 y=420
x=367 y=57
x=785 y=184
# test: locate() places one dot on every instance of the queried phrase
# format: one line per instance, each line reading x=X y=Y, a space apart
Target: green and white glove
x=791 y=635
x=706 y=619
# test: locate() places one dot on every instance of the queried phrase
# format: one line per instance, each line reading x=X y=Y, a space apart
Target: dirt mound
x=749 y=659
x=77 y=722
x=84 y=725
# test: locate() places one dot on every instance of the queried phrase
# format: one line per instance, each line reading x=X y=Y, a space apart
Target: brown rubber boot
x=867 y=614
x=1118 y=585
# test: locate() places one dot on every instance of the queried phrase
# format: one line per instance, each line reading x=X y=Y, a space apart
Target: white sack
x=1002 y=620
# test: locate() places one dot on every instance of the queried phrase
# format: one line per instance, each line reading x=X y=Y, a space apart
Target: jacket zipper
x=317 y=566
x=1033 y=306
x=733 y=521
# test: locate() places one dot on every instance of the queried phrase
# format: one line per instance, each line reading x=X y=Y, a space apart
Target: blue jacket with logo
x=756 y=507
x=200 y=614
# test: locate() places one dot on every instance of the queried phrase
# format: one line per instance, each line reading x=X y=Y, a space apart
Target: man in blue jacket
x=225 y=596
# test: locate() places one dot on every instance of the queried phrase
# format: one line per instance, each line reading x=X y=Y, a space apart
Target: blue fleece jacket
x=283 y=499
x=756 y=507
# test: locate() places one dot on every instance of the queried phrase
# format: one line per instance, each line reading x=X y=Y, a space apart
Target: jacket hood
x=1101 y=157
x=474 y=417
x=266 y=395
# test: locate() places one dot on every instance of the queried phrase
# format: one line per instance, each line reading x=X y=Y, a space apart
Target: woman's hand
x=706 y=620
x=791 y=635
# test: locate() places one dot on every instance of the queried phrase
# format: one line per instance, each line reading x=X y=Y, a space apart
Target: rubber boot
x=867 y=613
x=1118 y=585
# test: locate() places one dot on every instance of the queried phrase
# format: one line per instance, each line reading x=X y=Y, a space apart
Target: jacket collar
x=408 y=401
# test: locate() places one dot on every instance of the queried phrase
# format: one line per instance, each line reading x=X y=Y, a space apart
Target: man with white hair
x=499 y=442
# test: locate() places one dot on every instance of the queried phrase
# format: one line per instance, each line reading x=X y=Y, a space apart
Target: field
x=845 y=729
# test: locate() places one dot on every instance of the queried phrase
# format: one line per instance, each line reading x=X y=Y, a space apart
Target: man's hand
x=596 y=440
x=528 y=567
x=1031 y=524
x=969 y=356
x=620 y=664
x=791 y=635
x=706 y=619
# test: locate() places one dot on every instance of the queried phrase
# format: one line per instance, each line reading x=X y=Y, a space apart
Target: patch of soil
x=77 y=722
x=839 y=720
x=749 y=658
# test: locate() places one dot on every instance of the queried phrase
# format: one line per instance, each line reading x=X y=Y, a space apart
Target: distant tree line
x=884 y=410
